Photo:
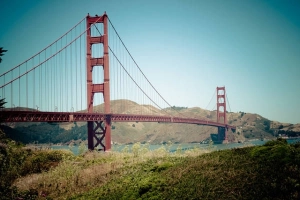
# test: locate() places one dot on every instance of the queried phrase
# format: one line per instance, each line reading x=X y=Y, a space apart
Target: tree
x=2 y=134
x=2 y=102
x=1 y=53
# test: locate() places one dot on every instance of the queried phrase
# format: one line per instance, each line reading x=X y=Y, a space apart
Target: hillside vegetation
x=270 y=171
x=249 y=126
x=17 y=161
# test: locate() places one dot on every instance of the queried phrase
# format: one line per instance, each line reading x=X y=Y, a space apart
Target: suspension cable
x=211 y=100
x=45 y=59
x=129 y=73
x=136 y=63
x=228 y=102
x=141 y=73
x=43 y=49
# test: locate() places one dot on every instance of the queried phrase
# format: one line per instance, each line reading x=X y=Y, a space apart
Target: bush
x=267 y=124
x=280 y=126
x=17 y=161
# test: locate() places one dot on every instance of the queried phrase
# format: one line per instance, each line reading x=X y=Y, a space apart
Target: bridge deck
x=30 y=116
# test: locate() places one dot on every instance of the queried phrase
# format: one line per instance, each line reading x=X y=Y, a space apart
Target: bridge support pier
x=222 y=135
x=97 y=132
x=221 y=114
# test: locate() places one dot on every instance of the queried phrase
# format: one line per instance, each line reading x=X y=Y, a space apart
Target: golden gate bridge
x=87 y=66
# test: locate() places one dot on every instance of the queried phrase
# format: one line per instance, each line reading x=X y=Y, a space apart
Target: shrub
x=17 y=161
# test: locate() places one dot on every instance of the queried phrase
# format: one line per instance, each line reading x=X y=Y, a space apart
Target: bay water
x=175 y=147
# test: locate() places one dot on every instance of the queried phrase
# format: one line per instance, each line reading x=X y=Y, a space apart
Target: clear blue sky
x=251 y=47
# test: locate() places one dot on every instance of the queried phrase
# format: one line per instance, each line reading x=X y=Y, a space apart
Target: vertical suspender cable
x=66 y=80
x=55 y=81
x=44 y=78
x=33 y=106
x=61 y=78
x=76 y=66
x=80 y=74
x=70 y=71
x=40 y=81
x=126 y=83
x=26 y=88
x=11 y=91
x=19 y=88
x=49 y=96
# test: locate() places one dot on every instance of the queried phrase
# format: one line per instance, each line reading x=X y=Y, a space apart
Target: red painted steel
x=221 y=114
x=98 y=127
x=30 y=116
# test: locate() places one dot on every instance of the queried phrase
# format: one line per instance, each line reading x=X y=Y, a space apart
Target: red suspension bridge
x=87 y=67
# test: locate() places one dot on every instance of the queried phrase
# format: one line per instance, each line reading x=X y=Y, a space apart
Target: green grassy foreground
x=267 y=172
x=263 y=172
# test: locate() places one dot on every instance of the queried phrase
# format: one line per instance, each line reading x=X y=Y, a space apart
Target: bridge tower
x=98 y=130
x=221 y=114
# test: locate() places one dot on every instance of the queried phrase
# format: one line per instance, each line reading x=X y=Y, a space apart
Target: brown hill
x=249 y=126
